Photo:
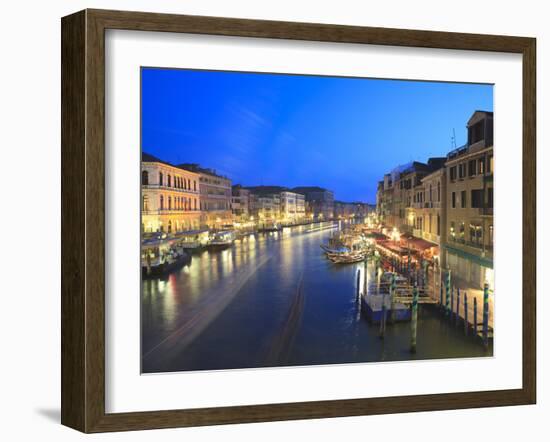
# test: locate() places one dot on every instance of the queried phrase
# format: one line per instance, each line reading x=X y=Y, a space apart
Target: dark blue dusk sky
x=292 y=130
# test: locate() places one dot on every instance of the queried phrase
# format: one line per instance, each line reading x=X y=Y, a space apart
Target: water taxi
x=160 y=256
x=194 y=239
x=222 y=239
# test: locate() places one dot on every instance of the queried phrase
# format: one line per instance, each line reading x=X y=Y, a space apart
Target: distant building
x=265 y=203
x=344 y=210
x=319 y=202
x=240 y=203
x=401 y=195
x=170 y=197
x=215 y=196
x=293 y=207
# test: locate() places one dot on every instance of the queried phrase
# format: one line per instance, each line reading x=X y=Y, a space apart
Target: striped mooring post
x=358 y=283
x=486 y=315
x=452 y=304
x=383 y=317
x=475 y=317
x=365 y=277
x=414 y=318
x=425 y=276
x=448 y=292
x=392 y=300
x=441 y=294
x=457 y=316
x=465 y=313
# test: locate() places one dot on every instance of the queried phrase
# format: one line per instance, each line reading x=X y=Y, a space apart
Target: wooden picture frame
x=83 y=220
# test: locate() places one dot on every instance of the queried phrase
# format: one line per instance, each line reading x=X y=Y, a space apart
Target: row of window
x=420 y=224
x=457 y=233
x=471 y=168
x=177 y=182
x=215 y=205
x=175 y=203
x=477 y=199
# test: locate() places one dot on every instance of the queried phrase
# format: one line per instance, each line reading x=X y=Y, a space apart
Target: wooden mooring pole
x=452 y=304
x=447 y=292
x=383 y=317
x=414 y=318
x=365 y=277
x=457 y=316
x=475 y=317
x=392 y=297
x=358 y=283
x=465 y=313
x=486 y=315
x=440 y=294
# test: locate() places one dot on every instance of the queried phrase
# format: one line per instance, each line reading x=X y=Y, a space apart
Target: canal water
x=273 y=299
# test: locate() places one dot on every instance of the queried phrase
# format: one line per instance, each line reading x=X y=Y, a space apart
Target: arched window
x=169 y=181
x=145 y=178
x=161 y=183
x=169 y=203
x=161 y=202
x=145 y=205
x=195 y=186
x=184 y=186
x=189 y=183
x=169 y=226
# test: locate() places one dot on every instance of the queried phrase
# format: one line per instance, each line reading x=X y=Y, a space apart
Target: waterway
x=273 y=299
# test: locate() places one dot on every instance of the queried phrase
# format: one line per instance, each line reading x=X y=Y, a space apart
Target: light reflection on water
x=274 y=299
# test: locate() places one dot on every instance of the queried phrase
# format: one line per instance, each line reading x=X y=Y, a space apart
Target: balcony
x=485 y=211
x=169 y=211
x=173 y=189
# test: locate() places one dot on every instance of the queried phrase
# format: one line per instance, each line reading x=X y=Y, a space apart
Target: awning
x=417 y=243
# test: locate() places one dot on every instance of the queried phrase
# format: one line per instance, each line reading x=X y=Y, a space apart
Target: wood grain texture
x=83 y=219
x=73 y=128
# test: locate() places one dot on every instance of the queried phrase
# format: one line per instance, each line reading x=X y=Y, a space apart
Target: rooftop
x=194 y=167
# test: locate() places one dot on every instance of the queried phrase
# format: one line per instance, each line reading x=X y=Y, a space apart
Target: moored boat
x=222 y=239
x=194 y=239
x=371 y=306
x=345 y=248
x=159 y=257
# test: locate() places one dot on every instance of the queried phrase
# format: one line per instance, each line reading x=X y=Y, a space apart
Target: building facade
x=449 y=202
x=215 y=197
x=319 y=202
x=170 y=198
x=265 y=207
x=240 y=204
x=433 y=207
x=293 y=207
x=346 y=210
x=469 y=205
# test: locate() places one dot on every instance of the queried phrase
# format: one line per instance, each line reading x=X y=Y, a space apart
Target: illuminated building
x=215 y=197
x=170 y=197
x=469 y=223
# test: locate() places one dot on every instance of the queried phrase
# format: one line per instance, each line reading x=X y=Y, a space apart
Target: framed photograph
x=270 y=220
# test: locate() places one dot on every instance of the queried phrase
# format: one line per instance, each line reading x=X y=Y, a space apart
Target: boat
x=194 y=239
x=160 y=256
x=379 y=295
x=347 y=257
x=270 y=227
x=222 y=239
x=371 y=306
x=346 y=248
